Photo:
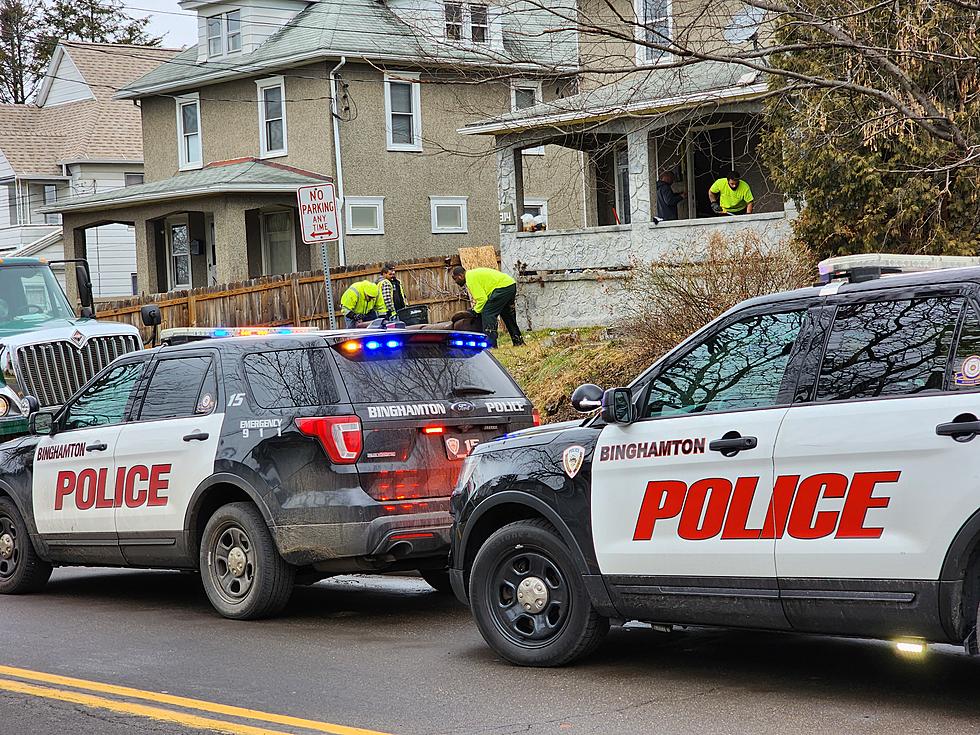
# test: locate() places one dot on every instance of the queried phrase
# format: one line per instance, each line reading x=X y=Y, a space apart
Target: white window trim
x=414 y=79
x=640 y=31
x=183 y=163
x=221 y=35
x=538 y=88
x=167 y=224
x=262 y=85
x=228 y=34
x=462 y=202
x=263 y=239
x=543 y=203
x=466 y=24
x=378 y=202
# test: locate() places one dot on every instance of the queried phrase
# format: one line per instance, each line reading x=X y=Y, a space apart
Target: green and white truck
x=47 y=352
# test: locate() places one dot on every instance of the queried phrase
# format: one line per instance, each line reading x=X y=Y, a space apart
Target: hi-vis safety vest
x=481 y=282
x=360 y=298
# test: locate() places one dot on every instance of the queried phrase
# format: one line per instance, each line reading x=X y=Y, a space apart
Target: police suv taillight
x=340 y=436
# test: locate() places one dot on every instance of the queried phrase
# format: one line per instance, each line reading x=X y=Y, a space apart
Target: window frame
x=261 y=86
x=537 y=87
x=447 y=201
x=128 y=174
x=147 y=380
x=537 y=202
x=377 y=202
x=168 y=240
x=471 y=25
x=237 y=34
x=264 y=242
x=640 y=30
x=184 y=163
x=413 y=79
x=219 y=20
x=134 y=396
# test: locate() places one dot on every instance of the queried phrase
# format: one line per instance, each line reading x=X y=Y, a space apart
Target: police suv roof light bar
x=871 y=266
x=183 y=335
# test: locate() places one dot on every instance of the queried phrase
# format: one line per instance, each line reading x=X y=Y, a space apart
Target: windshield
x=30 y=296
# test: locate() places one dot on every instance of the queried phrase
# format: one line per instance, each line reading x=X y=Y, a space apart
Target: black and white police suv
x=807 y=462
x=259 y=456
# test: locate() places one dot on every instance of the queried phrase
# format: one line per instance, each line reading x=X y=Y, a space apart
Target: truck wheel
x=244 y=576
x=437 y=579
x=21 y=569
x=528 y=598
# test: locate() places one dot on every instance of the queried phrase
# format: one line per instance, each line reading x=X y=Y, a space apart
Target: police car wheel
x=21 y=569
x=528 y=598
x=244 y=576
x=437 y=579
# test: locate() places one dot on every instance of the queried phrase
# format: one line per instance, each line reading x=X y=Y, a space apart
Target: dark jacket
x=667 y=201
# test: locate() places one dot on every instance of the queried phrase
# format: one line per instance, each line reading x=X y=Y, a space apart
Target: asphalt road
x=389 y=655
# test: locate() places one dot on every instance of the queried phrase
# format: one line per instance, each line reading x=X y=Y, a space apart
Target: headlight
x=4 y=406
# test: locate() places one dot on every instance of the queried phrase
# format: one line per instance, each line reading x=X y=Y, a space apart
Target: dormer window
x=467 y=22
x=655 y=28
x=224 y=33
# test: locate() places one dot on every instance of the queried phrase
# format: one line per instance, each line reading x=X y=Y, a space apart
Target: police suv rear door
x=424 y=404
x=682 y=498
x=886 y=477
x=167 y=451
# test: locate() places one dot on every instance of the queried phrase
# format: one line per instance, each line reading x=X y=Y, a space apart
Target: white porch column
x=638 y=151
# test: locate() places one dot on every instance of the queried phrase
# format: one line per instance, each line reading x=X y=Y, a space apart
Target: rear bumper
x=386 y=540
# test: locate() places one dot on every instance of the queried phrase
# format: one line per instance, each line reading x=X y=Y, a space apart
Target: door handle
x=963 y=428
x=96 y=447
x=197 y=436
x=732 y=443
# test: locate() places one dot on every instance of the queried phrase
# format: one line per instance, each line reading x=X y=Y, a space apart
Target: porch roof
x=246 y=175
x=641 y=93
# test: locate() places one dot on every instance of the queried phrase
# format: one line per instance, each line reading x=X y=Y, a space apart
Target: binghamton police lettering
x=713 y=507
x=643 y=450
x=409 y=410
x=61 y=451
x=506 y=406
x=133 y=487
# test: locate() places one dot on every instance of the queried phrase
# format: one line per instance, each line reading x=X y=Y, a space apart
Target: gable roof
x=369 y=29
x=36 y=139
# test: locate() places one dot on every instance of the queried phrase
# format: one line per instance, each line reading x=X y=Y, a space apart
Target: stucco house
x=75 y=139
x=697 y=121
x=282 y=93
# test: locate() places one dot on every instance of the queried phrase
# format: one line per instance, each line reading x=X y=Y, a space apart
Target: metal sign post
x=320 y=225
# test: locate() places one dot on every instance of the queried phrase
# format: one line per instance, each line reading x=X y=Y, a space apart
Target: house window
x=135 y=281
x=278 y=243
x=655 y=28
x=133 y=179
x=403 y=112
x=189 y=131
x=272 y=116
x=454 y=21
x=537 y=208
x=467 y=21
x=179 y=255
x=51 y=197
x=215 y=40
x=523 y=95
x=233 y=26
x=365 y=215
x=448 y=214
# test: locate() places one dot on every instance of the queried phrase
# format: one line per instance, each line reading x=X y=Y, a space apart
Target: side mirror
x=587 y=397
x=84 y=282
x=617 y=406
x=42 y=423
x=150 y=314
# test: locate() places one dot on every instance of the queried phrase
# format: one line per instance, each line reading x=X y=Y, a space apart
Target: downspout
x=338 y=161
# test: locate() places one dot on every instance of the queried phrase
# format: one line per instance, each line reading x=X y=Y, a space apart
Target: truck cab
x=47 y=351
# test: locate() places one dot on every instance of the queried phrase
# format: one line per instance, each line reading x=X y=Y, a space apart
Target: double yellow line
x=27 y=682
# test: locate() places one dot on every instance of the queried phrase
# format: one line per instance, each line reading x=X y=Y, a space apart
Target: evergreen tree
x=20 y=64
x=97 y=21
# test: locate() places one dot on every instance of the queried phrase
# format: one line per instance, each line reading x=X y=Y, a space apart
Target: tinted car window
x=425 y=372
x=105 y=402
x=175 y=388
x=207 y=399
x=888 y=348
x=291 y=378
x=966 y=362
x=740 y=366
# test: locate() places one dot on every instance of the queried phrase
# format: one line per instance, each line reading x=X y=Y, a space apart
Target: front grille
x=52 y=372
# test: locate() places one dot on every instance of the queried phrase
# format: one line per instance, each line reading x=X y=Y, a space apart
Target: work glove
x=716 y=208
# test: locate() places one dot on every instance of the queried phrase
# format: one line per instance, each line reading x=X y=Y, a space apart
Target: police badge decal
x=572 y=459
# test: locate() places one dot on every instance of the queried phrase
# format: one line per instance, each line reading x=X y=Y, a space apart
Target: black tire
x=437 y=579
x=21 y=569
x=565 y=628
x=244 y=576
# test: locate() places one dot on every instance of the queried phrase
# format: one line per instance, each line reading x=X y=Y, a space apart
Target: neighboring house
x=75 y=139
x=233 y=126
x=696 y=121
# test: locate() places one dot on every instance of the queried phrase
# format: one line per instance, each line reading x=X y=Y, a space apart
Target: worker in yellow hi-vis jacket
x=494 y=295
x=360 y=303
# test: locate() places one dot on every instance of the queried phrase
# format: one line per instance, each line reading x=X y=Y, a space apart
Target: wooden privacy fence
x=297 y=299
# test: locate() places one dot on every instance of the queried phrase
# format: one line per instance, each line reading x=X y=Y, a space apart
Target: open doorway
x=612 y=176
x=710 y=155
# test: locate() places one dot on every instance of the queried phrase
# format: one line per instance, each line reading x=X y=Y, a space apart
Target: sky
x=178 y=27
